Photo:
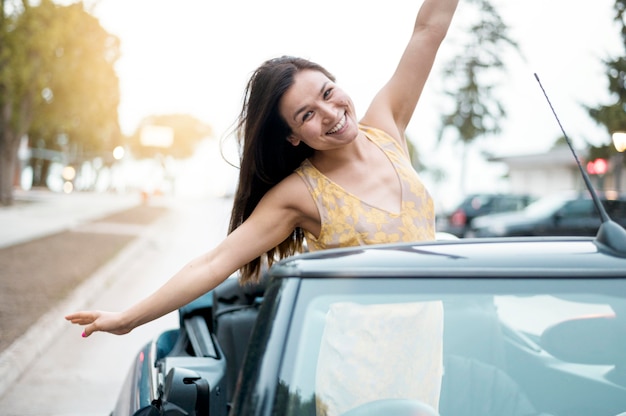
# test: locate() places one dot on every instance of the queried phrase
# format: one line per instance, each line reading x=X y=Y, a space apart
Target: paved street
x=75 y=376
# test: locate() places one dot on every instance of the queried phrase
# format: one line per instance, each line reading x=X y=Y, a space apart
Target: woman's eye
x=307 y=115
x=327 y=93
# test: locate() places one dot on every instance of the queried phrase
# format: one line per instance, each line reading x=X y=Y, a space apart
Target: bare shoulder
x=378 y=120
x=292 y=194
x=379 y=117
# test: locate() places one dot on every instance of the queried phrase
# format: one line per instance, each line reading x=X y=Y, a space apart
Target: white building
x=554 y=171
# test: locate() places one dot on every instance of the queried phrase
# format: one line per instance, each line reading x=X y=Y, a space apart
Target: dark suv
x=475 y=205
x=568 y=214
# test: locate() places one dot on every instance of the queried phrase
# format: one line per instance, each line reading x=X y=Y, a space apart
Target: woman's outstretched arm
x=393 y=106
x=273 y=220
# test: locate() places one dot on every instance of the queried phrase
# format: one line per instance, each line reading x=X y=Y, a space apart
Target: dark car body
x=475 y=205
x=530 y=326
x=565 y=214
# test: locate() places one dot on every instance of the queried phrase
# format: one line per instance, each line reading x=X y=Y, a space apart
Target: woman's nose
x=327 y=110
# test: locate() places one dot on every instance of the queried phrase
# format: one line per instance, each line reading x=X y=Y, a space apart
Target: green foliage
x=187 y=132
x=601 y=152
x=470 y=76
x=81 y=94
x=613 y=116
x=57 y=79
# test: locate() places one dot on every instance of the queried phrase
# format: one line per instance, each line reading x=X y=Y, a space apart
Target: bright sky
x=195 y=56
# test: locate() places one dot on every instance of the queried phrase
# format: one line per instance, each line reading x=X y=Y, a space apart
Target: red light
x=458 y=217
x=597 y=167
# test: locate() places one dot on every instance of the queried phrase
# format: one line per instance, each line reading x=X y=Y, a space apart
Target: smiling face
x=318 y=112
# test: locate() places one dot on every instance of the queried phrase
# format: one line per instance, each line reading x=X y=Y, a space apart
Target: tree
x=185 y=130
x=613 y=116
x=470 y=78
x=57 y=80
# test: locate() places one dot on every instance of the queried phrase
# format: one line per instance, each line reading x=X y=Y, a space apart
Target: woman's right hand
x=93 y=321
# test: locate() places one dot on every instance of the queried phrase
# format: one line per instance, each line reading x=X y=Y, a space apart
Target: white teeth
x=339 y=125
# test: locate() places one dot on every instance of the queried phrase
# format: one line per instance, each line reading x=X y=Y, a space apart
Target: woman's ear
x=293 y=140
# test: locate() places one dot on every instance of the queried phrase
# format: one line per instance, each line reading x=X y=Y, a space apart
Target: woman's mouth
x=338 y=126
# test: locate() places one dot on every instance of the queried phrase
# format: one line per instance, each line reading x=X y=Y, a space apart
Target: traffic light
x=597 y=167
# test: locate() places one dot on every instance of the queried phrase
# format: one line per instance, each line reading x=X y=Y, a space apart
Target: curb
x=18 y=356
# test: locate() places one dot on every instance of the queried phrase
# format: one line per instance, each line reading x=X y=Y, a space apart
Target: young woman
x=311 y=171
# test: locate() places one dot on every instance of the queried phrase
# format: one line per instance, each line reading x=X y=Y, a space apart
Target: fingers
x=95 y=321
x=84 y=318
x=88 y=331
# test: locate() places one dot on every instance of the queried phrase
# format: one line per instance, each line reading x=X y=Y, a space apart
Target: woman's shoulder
x=378 y=135
x=290 y=191
x=382 y=138
x=375 y=132
x=378 y=120
x=305 y=166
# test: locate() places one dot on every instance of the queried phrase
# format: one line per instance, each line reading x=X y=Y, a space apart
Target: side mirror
x=185 y=393
x=151 y=410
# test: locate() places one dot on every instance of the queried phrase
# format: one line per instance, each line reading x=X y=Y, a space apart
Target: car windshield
x=506 y=346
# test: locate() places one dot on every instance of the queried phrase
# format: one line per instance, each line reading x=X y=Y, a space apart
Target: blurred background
x=141 y=96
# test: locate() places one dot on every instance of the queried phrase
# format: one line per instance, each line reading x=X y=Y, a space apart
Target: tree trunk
x=9 y=144
x=8 y=166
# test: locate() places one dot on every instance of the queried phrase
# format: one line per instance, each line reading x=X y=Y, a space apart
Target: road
x=76 y=376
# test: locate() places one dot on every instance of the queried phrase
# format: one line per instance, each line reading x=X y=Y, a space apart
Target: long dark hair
x=266 y=155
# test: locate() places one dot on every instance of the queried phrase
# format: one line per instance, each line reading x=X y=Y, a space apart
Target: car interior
x=494 y=362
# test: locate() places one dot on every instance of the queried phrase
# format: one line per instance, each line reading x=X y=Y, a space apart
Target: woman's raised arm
x=393 y=106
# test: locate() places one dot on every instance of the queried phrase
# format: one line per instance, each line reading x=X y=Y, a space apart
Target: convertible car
x=507 y=326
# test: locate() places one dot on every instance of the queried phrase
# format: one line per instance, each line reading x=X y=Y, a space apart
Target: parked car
x=521 y=326
x=565 y=214
x=474 y=205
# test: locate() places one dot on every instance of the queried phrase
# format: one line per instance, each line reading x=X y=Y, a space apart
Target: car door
x=577 y=217
x=617 y=211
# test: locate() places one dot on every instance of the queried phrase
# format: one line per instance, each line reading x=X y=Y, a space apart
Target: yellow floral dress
x=375 y=351
x=347 y=221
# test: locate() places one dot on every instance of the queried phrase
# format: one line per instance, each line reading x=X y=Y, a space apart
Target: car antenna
x=610 y=233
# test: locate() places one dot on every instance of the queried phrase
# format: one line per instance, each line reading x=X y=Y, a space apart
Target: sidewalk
x=35 y=215
x=38 y=213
